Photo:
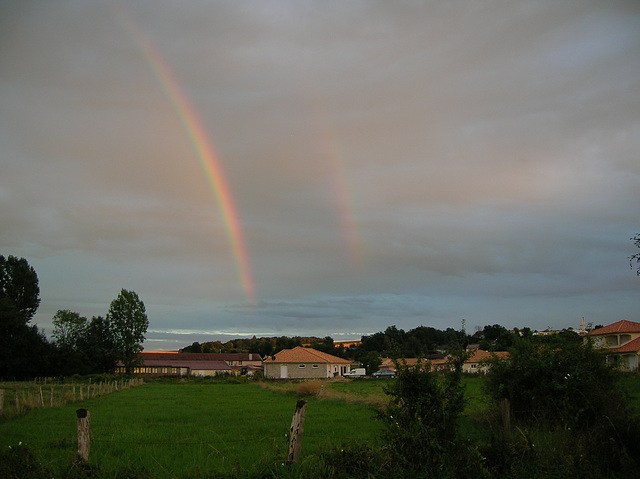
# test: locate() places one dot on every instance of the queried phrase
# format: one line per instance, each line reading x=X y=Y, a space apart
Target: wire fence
x=20 y=398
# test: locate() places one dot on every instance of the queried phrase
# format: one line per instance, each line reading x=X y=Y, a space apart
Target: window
x=315 y=366
x=302 y=366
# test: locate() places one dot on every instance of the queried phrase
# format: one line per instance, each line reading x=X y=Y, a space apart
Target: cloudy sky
x=323 y=167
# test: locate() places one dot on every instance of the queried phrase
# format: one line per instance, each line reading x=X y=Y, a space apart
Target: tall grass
x=216 y=428
x=178 y=430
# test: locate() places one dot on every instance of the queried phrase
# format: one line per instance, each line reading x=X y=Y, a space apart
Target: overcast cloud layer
x=407 y=163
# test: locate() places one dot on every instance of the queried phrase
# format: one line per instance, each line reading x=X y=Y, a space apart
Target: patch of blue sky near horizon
x=330 y=316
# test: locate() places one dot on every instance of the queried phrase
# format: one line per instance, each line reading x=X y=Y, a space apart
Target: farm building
x=620 y=341
x=196 y=364
x=473 y=364
x=304 y=363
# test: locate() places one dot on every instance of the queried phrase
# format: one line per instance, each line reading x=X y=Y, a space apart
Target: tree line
x=265 y=347
x=78 y=346
x=393 y=342
x=83 y=346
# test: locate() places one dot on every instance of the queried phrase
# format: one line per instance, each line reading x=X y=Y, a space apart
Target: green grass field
x=202 y=428
x=180 y=429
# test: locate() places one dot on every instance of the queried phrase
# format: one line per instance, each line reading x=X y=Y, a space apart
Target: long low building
x=195 y=364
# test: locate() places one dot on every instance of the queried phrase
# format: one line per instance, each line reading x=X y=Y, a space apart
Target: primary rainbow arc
x=207 y=159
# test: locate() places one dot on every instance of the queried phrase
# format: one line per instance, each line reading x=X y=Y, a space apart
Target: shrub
x=573 y=392
x=19 y=462
x=421 y=421
x=571 y=387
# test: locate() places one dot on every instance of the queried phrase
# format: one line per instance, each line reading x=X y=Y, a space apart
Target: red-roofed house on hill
x=620 y=341
x=304 y=363
x=477 y=362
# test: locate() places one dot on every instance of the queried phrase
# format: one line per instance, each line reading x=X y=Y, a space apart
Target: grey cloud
x=390 y=162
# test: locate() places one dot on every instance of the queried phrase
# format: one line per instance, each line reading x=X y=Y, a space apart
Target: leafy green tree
x=24 y=351
x=195 y=347
x=324 y=345
x=492 y=333
x=69 y=329
x=128 y=319
x=561 y=339
x=99 y=345
x=19 y=286
x=81 y=346
x=371 y=362
x=504 y=340
x=266 y=347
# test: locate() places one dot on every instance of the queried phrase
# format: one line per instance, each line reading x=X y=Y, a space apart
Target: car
x=384 y=373
x=356 y=373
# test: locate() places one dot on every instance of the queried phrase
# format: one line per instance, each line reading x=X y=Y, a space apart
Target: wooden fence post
x=506 y=418
x=295 y=433
x=51 y=397
x=17 y=401
x=84 y=433
x=1 y=400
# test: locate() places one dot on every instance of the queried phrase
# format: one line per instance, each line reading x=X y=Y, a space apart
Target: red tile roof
x=475 y=356
x=623 y=326
x=630 y=347
x=480 y=355
x=305 y=355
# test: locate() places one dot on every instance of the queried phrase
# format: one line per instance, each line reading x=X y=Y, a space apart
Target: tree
x=68 y=329
x=371 y=362
x=195 y=347
x=128 y=319
x=635 y=257
x=99 y=345
x=19 y=286
x=23 y=349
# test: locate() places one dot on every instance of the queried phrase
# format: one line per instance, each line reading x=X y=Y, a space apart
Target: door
x=284 y=372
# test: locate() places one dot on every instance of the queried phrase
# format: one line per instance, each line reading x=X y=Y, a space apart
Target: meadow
x=191 y=428
x=225 y=428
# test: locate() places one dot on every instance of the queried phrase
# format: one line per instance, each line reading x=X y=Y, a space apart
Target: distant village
x=378 y=355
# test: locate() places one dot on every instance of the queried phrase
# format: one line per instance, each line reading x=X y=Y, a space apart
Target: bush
x=577 y=398
x=19 y=462
x=570 y=387
x=421 y=422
